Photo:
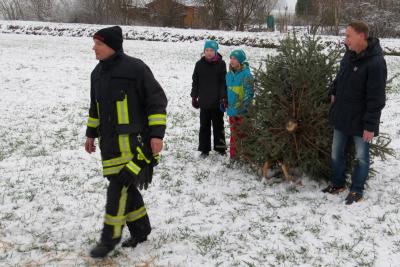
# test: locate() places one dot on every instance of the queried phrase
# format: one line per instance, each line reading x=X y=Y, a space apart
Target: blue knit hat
x=239 y=54
x=211 y=44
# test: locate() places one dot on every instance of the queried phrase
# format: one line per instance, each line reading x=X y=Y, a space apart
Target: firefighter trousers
x=124 y=206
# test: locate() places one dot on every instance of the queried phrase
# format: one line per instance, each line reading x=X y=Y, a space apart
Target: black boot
x=204 y=155
x=221 y=152
x=100 y=250
x=133 y=242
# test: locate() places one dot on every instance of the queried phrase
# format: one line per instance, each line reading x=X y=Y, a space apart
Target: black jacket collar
x=373 y=49
x=111 y=61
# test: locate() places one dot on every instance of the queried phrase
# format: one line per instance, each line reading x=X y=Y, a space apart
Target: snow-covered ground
x=204 y=212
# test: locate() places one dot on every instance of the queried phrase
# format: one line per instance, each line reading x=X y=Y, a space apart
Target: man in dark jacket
x=128 y=114
x=357 y=97
x=208 y=91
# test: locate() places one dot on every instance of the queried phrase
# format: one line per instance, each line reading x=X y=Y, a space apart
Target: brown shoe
x=353 y=197
x=334 y=190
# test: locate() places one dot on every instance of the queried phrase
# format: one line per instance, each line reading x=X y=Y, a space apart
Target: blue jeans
x=361 y=169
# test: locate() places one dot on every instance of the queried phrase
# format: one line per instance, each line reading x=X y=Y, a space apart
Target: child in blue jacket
x=240 y=91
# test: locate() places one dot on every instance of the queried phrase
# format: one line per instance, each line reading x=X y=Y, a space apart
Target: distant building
x=169 y=13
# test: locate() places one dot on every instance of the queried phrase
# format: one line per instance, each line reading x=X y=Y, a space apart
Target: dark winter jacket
x=359 y=89
x=209 y=82
x=126 y=101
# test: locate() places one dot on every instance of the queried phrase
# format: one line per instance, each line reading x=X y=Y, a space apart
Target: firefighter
x=128 y=116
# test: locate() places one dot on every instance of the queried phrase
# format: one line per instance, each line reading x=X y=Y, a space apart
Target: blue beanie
x=239 y=54
x=211 y=44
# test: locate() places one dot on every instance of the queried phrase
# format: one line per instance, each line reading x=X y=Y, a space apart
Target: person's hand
x=89 y=145
x=156 y=145
x=333 y=98
x=368 y=136
x=195 y=103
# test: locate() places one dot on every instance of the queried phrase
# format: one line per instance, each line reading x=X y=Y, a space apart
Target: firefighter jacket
x=127 y=109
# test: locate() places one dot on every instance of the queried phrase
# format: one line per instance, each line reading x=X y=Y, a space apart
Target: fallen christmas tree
x=287 y=123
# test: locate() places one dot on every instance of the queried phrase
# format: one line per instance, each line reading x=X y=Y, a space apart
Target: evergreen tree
x=287 y=123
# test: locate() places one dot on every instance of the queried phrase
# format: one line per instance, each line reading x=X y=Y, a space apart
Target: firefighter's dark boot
x=101 y=250
x=133 y=241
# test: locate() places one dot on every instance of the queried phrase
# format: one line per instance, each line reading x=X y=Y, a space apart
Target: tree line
x=319 y=16
x=216 y=14
x=382 y=16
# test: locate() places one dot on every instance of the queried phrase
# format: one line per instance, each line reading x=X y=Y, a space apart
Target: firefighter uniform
x=127 y=109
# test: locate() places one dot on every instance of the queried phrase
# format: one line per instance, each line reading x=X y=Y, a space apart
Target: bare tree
x=41 y=9
x=117 y=11
x=243 y=10
x=106 y=11
x=167 y=13
x=91 y=11
x=12 y=9
x=329 y=14
x=382 y=16
x=309 y=11
x=216 y=12
x=136 y=12
x=328 y=17
x=264 y=10
x=124 y=11
x=63 y=11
